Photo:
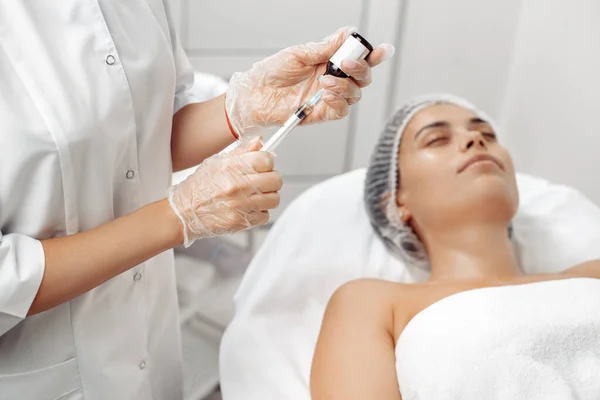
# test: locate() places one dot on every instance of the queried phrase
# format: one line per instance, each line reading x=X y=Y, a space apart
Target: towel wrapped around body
x=534 y=341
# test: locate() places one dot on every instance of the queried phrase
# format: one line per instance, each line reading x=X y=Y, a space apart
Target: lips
x=480 y=157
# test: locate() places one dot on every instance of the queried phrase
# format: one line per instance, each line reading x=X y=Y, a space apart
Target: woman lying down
x=441 y=191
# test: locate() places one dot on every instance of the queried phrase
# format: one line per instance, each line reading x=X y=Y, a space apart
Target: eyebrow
x=477 y=121
x=445 y=124
x=437 y=124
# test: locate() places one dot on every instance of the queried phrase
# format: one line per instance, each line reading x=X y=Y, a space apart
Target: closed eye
x=490 y=135
x=437 y=140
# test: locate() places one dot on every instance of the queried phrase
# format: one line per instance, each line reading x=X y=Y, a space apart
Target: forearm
x=78 y=263
x=199 y=131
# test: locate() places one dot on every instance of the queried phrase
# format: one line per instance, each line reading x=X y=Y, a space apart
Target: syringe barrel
x=281 y=133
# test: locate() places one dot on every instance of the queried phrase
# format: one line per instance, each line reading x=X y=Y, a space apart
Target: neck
x=472 y=253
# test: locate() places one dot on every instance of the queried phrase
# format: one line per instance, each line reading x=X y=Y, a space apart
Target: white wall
x=461 y=46
x=553 y=96
x=531 y=64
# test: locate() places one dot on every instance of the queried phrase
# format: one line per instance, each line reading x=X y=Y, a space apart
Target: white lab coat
x=88 y=89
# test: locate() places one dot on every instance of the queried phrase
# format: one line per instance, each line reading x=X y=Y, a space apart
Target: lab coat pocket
x=57 y=382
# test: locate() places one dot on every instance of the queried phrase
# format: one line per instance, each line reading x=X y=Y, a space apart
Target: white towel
x=536 y=341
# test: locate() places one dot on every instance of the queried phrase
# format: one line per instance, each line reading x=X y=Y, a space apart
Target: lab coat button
x=143 y=365
x=110 y=59
x=137 y=276
x=130 y=174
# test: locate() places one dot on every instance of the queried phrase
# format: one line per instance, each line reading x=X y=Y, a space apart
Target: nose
x=473 y=139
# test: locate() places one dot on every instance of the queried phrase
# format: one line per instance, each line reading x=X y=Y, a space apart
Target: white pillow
x=324 y=239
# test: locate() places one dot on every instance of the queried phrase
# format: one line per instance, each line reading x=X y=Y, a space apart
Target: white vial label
x=352 y=49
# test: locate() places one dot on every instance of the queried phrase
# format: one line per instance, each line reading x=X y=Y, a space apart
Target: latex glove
x=274 y=88
x=227 y=193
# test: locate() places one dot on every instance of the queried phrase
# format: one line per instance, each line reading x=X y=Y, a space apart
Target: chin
x=497 y=194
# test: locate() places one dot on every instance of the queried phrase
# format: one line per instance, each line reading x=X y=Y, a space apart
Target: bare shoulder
x=376 y=287
x=368 y=293
x=374 y=301
x=589 y=269
x=354 y=354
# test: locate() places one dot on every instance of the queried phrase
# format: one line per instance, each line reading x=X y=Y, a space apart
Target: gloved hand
x=227 y=193
x=274 y=88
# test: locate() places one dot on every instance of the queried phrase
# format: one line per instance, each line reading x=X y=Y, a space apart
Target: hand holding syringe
x=355 y=47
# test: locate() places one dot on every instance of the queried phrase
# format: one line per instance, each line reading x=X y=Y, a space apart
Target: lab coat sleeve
x=22 y=264
x=184 y=73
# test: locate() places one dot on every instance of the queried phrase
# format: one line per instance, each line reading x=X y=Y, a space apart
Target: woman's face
x=452 y=168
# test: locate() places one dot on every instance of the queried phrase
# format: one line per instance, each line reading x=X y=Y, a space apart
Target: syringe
x=301 y=113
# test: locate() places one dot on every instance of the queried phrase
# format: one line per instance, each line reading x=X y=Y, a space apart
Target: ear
x=404 y=213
